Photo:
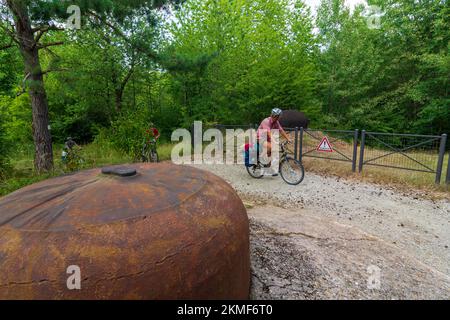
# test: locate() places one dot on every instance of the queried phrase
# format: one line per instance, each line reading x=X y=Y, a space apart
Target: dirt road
x=317 y=240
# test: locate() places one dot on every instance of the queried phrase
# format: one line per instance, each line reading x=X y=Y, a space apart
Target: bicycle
x=72 y=159
x=291 y=170
x=149 y=152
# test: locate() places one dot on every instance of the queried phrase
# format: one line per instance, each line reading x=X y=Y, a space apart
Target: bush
x=126 y=133
x=17 y=119
x=5 y=146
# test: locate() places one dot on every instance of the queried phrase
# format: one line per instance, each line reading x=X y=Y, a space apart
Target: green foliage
x=4 y=145
x=74 y=159
x=223 y=61
x=45 y=10
x=258 y=59
x=18 y=128
x=394 y=78
x=127 y=133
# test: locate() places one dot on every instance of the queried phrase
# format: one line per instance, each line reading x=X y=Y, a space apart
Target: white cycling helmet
x=277 y=112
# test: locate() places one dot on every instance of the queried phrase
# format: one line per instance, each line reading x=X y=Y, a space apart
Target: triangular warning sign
x=324 y=145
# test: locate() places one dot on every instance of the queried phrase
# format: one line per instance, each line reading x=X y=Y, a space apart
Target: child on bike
x=69 y=145
x=149 y=152
x=152 y=133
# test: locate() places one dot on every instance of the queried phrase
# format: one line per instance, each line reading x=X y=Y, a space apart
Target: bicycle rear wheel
x=153 y=156
x=144 y=153
x=292 y=171
x=255 y=171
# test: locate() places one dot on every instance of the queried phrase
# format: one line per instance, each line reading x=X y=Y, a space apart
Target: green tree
x=27 y=22
x=260 y=59
x=391 y=78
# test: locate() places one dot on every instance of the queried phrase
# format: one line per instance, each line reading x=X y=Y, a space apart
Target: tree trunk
x=119 y=94
x=121 y=88
x=43 y=159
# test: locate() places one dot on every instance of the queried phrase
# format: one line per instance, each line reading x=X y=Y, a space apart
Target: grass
x=22 y=171
x=401 y=179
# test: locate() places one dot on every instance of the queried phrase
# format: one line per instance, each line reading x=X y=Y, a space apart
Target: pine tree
x=27 y=21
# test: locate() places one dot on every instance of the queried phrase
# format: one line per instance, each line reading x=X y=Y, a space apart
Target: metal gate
x=412 y=152
x=343 y=143
x=422 y=153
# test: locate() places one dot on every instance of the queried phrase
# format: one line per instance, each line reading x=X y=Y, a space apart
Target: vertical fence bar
x=257 y=146
x=296 y=144
x=355 y=150
x=361 y=153
x=192 y=136
x=300 y=152
x=221 y=147
x=251 y=131
x=447 y=179
x=441 y=158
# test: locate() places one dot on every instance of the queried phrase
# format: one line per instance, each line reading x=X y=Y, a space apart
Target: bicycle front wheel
x=144 y=157
x=292 y=171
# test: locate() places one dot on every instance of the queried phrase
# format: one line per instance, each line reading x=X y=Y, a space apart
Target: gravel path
x=417 y=227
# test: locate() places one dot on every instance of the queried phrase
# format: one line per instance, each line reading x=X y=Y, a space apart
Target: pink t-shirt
x=266 y=125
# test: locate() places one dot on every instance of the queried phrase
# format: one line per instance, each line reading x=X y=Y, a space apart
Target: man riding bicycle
x=264 y=135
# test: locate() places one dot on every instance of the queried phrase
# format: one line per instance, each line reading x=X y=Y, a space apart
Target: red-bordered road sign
x=324 y=146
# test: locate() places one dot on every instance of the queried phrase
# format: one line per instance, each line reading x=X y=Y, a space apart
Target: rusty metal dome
x=140 y=231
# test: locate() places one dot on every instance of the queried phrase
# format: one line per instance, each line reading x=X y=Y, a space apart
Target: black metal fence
x=412 y=152
x=447 y=179
x=421 y=153
x=223 y=129
x=343 y=144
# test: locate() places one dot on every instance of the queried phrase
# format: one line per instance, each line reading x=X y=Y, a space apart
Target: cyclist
x=264 y=135
x=152 y=133
x=149 y=152
x=68 y=147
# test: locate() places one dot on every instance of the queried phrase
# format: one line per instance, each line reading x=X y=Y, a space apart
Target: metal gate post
x=220 y=142
x=192 y=135
x=361 y=154
x=250 y=130
x=355 y=149
x=441 y=158
x=296 y=144
x=447 y=179
x=300 y=153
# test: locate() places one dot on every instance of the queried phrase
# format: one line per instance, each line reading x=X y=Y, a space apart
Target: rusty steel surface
x=166 y=232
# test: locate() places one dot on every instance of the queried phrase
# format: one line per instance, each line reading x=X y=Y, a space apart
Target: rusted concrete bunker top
x=153 y=228
x=92 y=197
